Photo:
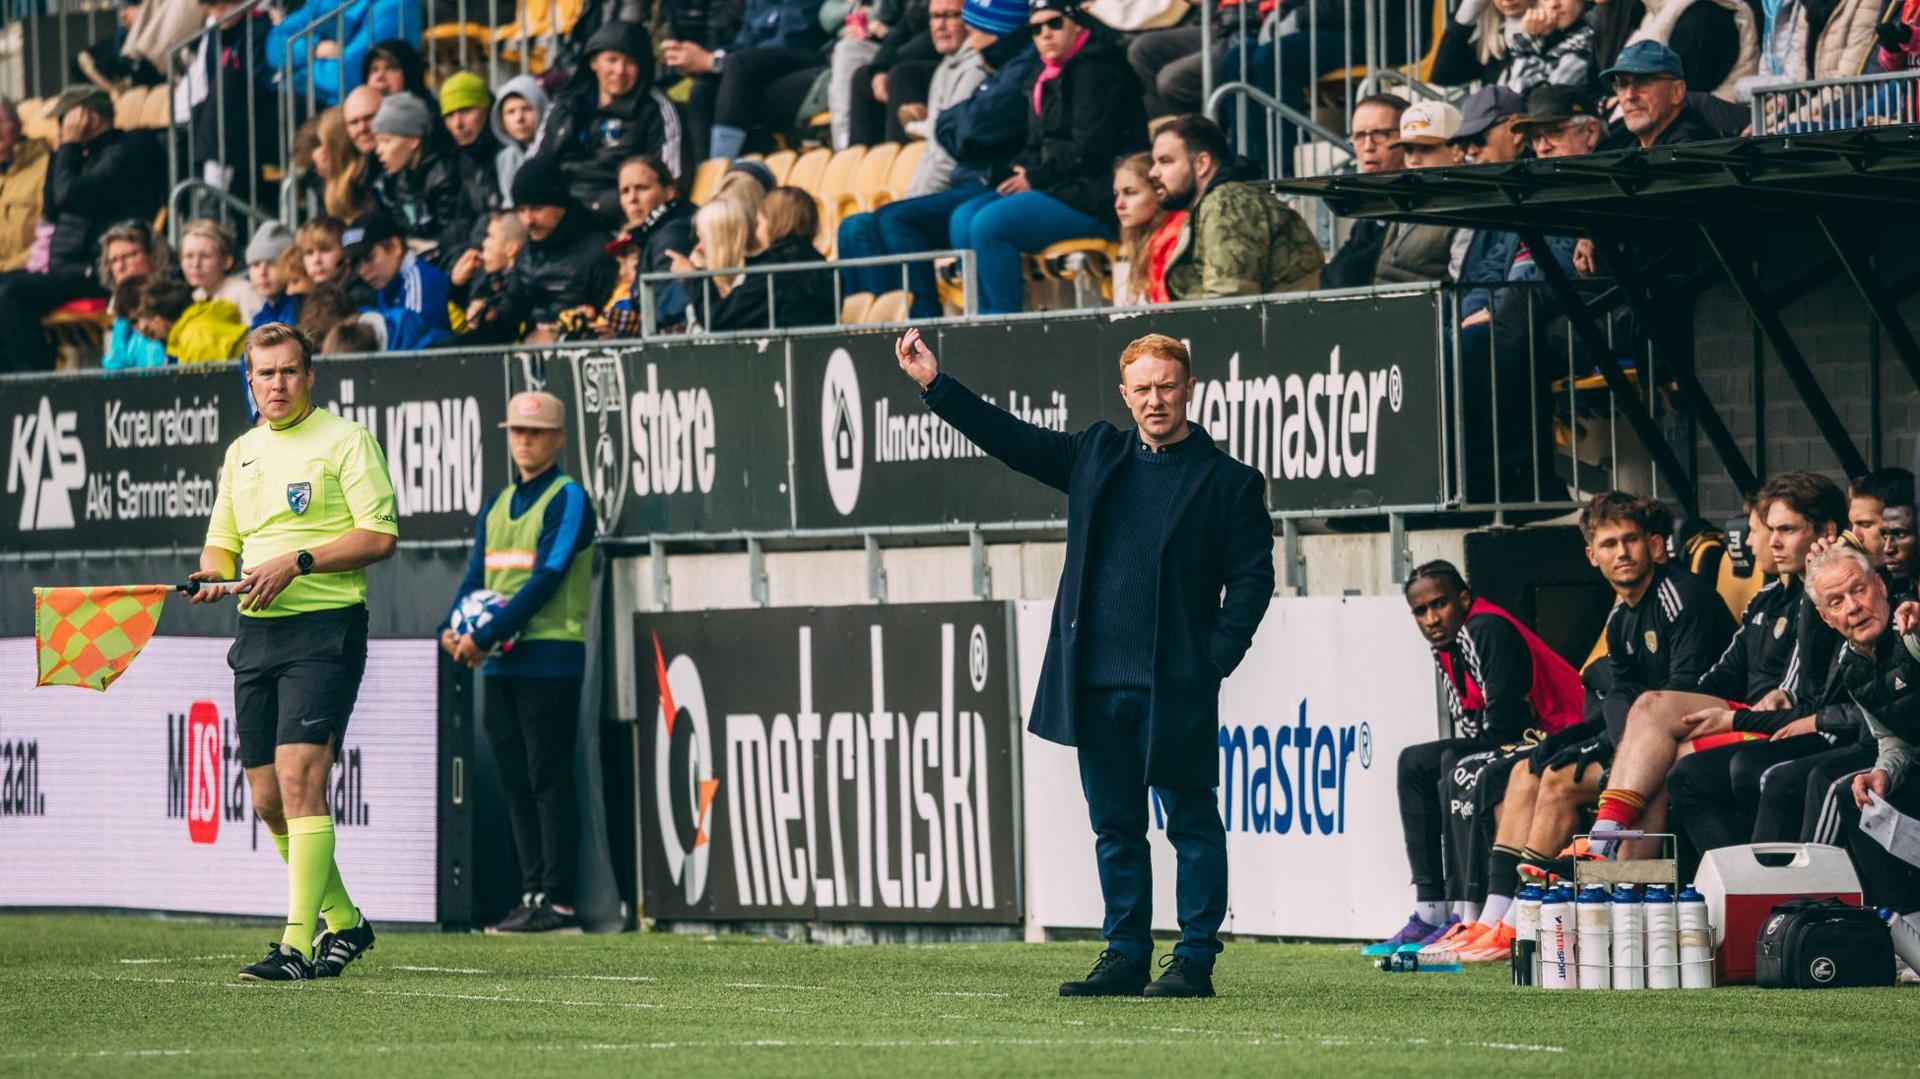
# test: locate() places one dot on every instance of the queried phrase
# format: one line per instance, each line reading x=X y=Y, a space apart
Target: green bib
x=513 y=544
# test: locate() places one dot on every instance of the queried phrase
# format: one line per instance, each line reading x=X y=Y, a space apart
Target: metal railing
x=1837 y=104
x=183 y=63
x=647 y=285
x=22 y=40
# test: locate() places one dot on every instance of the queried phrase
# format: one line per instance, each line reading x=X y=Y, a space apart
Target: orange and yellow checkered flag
x=89 y=636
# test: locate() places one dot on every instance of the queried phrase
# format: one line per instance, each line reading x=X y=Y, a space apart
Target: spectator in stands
x=270 y=242
x=899 y=75
x=658 y=221
x=345 y=37
x=23 y=180
x=394 y=67
x=213 y=94
x=565 y=265
x=1651 y=91
x=1148 y=233
x=1555 y=45
x=1086 y=112
x=516 y=118
x=1560 y=122
x=350 y=339
x=610 y=112
x=1897 y=40
x=1238 y=239
x=725 y=236
x=376 y=247
x=1422 y=252
x=1868 y=497
x=1168 y=63
x=420 y=184
x=1477 y=44
x=345 y=192
x=747 y=183
x=321 y=253
x=195 y=331
x=362 y=105
x=480 y=278
x=132 y=249
x=752 y=84
x=105 y=63
x=1487 y=135
x=98 y=177
x=1718 y=41
x=465 y=105
x=127 y=347
x=865 y=29
x=1375 y=133
x=783 y=235
x=207 y=249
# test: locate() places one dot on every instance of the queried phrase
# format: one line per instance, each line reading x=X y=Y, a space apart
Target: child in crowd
x=401 y=281
x=126 y=346
x=1555 y=45
x=321 y=253
x=207 y=331
x=517 y=113
x=264 y=253
x=481 y=275
x=350 y=338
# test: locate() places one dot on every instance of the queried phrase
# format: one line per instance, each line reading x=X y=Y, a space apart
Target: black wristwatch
x=304 y=560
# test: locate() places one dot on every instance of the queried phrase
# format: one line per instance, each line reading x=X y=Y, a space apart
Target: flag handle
x=193 y=587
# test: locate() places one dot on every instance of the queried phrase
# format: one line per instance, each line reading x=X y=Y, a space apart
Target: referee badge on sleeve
x=299 y=496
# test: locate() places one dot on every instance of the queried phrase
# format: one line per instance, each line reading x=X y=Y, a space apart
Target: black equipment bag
x=1822 y=944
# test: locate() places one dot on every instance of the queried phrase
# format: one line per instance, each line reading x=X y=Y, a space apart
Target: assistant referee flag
x=89 y=636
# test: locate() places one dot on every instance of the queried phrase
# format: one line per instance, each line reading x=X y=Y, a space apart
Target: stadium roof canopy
x=1860 y=173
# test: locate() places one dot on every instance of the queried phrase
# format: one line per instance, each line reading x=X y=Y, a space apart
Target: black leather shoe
x=1183 y=978
x=1113 y=975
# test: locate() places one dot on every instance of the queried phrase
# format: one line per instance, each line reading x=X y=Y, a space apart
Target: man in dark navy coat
x=1169 y=568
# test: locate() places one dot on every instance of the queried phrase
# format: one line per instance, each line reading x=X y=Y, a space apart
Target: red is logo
x=203 y=772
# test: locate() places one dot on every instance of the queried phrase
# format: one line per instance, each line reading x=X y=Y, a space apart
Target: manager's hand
x=1868 y=783
x=916 y=359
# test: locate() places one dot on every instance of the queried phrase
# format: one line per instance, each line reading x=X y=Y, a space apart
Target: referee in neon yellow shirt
x=304 y=507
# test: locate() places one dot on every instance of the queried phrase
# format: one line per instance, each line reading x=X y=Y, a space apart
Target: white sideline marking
x=311 y=987
x=441 y=970
x=968 y=993
x=531 y=974
x=769 y=985
x=604 y=977
x=183 y=959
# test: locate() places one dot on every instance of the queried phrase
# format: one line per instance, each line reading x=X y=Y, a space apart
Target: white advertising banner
x=135 y=798
x=1311 y=725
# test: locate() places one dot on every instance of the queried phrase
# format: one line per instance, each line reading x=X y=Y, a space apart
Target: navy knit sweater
x=1124 y=571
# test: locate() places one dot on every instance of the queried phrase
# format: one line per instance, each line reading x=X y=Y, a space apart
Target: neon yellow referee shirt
x=298 y=488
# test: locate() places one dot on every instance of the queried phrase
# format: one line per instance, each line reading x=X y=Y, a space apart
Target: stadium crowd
x=1748 y=688
x=435 y=208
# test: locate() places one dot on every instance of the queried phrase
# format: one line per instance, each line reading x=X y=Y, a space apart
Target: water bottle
x=1906 y=940
x=1663 y=942
x=1629 y=957
x=1526 y=935
x=1557 y=964
x=1593 y=918
x=1696 y=941
x=1415 y=963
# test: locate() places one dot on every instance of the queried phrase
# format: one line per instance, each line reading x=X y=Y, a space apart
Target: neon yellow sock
x=309 y=858
x=335 y=905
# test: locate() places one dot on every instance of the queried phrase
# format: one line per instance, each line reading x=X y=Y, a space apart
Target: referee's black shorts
x=295 y=679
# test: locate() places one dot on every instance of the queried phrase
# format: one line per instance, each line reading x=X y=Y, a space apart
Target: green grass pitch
x=85 y=995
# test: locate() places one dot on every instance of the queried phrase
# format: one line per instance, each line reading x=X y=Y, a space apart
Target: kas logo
x=203 y=772
x=49 y=464
x=600 y=399
x=841 y=432
x=683 y=779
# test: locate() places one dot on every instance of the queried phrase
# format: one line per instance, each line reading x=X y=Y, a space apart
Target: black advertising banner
x=829 y=764
x=677 y=438
x=866 y=452
x=438 y=420
x=125 y=462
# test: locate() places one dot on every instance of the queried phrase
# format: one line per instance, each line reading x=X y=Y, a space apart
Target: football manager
x=1169 y=568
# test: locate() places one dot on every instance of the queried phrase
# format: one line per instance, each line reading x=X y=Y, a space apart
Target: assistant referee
x=304 y=507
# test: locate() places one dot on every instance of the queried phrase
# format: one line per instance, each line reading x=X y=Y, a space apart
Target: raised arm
x=1045 y=455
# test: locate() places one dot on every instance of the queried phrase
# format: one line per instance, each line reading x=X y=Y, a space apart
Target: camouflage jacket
x=1242 y=241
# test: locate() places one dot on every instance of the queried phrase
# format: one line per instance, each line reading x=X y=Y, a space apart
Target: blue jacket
x=789 y=24
x=127 y=349
x=987 y=129
x=1493 y=258
x=565 y=531
x=1217 y=536
x=420 y=288
x=285 y=309
x=362 y=25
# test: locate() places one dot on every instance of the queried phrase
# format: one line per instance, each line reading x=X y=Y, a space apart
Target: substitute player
x=304 y=507
x=535 y=547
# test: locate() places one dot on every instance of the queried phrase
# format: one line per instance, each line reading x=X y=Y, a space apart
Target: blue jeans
x=1113 y=766
x=999 y=228
x=902 y=228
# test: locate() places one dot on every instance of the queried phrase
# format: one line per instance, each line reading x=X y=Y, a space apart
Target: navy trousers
x=1113 y=767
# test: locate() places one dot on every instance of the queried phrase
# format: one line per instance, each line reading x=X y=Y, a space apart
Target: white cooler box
x=1743 y=884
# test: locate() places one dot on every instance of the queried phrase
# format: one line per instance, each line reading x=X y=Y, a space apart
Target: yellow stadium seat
x=823 y=118
x=867 y=188
x=855 y=307
x=890 y=306
x=834 y=183
x=1094 y=261
x=809 y=169
x=472 y=42
x=1336 y=79
x=706 y=180
x=159 y=110
x=128 y=105
x=901 y=174
x=780 y=163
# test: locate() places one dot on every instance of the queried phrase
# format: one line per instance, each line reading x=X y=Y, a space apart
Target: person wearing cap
x=1237 y=239
x=421 y=183
x=304 y=505
x=270 y=241
x=403 y=284
x=1486 y=134
x=1650 y=88
x=1560 y=121
x=754 y=81
x=465 y=103
x=610 y=112
x=534 y=547
x=1718 y=41
x=98 y=178
x=1411 y=252
x=565 y=265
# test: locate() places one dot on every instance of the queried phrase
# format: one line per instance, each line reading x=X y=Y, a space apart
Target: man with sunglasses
x=1651 y=89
